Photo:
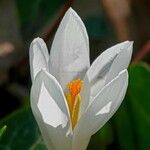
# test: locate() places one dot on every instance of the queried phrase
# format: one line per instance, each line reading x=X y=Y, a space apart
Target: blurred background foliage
x=107 y=23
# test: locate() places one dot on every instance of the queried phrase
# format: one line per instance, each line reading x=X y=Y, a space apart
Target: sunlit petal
x=38 y=56
x=52 y=88
x=85 y=95
x=52 y=117
x=102 y=107
x=108 y=65
x=69 y=56
x=69 y=100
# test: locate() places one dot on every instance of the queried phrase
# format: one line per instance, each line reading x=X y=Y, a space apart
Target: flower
x=70 y=99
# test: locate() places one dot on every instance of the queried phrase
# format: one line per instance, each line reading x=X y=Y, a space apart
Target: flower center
x=73 y=99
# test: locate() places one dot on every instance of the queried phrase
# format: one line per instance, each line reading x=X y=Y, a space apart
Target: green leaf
x=133 y=120
x=124 y=128
x=2 y=130
x=22 y=132
x=35 y=14
x=102 y=139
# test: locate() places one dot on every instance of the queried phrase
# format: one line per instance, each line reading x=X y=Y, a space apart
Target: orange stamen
x=73 y=99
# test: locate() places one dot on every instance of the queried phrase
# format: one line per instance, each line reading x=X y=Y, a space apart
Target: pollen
x=73 y=99
x=74 y=87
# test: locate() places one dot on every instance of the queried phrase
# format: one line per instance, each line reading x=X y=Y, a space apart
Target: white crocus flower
x=70 y=99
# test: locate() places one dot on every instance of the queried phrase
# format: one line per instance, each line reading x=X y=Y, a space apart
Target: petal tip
x=70 y=11
x=131 y=43
x=37 y=40
x=130 y=47
x=127 y=43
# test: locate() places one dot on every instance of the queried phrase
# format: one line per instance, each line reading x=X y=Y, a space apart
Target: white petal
x=81 y=143
x=121 y=62
x=85 y=96
x=46 y=104
x=54 y=90
x=108 y=65
x=50 y=111
x=69 y=56
x=102 y=107
x=59 y=138
x=105 y=109
x=38 y=56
